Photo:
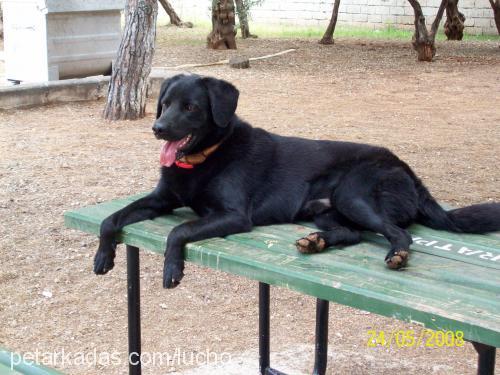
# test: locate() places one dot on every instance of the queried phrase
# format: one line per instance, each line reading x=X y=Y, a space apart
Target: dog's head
x=192 y=109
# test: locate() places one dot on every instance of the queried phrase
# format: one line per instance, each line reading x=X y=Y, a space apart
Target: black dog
x=235 y=176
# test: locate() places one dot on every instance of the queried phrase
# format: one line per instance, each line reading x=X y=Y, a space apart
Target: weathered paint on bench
x=452 y=281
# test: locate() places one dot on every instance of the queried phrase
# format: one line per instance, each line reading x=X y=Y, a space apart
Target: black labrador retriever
x=235 y=176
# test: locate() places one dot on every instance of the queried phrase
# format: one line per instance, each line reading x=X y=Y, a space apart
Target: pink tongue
x=168 y=152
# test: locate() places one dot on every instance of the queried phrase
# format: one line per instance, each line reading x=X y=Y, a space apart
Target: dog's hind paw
x=397 y=259
x=172 y=274
x=312 y=243
x=104 y=261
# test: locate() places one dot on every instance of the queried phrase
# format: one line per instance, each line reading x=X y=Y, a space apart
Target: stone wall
x=366 y=13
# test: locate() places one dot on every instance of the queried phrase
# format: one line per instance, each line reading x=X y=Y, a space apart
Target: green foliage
x=196 y=35
x=247 y=6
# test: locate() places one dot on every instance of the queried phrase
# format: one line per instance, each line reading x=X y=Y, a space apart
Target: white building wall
x=371 y=13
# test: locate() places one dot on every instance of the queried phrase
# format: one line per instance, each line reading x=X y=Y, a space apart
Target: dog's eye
x=190 y=108
x=166 y=104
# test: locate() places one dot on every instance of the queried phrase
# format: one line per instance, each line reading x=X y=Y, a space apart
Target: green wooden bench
x=14 y=364
x=452 y=282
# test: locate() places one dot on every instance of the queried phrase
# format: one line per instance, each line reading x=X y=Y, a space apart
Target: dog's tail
x=478 y=218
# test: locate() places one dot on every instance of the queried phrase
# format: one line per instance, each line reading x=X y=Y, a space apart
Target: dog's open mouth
x=172 y=150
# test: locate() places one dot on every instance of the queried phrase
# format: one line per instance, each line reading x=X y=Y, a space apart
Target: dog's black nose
x=158 y=129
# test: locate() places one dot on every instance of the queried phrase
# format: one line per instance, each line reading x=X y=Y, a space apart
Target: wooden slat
x=451 y=283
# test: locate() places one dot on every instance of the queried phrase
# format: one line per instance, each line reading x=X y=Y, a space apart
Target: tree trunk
x=454 y=25
x=1 y=22
x=129 y=80
x=328 y=36
x=241 y=9
x=423 y=40
x=174 y=17
x=222 y=35
x=495 y=5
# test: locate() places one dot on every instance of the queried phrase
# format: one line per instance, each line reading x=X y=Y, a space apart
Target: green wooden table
x=452 y=282
x=15 y=364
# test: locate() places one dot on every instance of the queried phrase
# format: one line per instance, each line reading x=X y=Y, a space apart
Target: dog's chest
x=192 y=189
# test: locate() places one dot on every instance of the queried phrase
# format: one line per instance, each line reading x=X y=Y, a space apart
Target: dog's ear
x=163 y=90
x=223 y=100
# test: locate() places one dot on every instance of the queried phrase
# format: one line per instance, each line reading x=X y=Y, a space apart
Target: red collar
x=180 y=164
x=189 y=161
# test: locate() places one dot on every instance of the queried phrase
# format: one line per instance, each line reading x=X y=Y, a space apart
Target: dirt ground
x=443 y=118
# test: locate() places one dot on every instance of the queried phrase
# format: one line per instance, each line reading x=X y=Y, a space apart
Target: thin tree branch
x=439 y=16
x=222 y=62
x=416 y=6
x=328 y=36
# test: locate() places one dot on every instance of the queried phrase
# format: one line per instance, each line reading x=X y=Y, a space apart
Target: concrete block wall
x=366 y=13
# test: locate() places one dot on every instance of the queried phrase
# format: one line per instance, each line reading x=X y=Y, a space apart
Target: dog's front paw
x=172 y=273
x=312 y=243
x=397 y=259
x=104 y=260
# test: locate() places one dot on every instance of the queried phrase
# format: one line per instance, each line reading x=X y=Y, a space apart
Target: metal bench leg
x=134 y=311
x=264 y=347
x=263 y=327
x=486 y=360
x=321 y=346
